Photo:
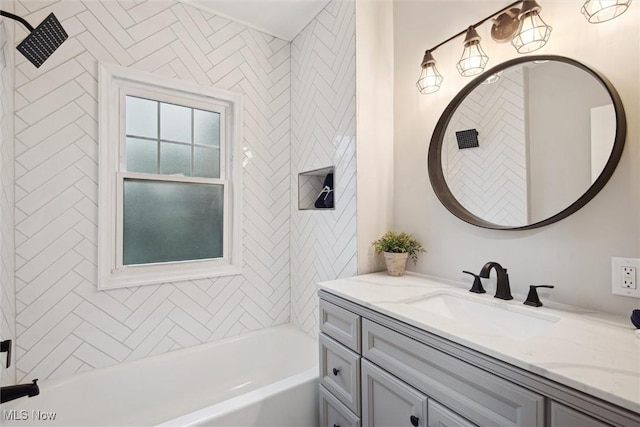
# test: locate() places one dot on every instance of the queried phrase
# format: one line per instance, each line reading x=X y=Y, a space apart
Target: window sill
x=125 y=279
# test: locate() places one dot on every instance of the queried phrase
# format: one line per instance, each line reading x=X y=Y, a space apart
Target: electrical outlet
x=624 y=276
x=628 y=277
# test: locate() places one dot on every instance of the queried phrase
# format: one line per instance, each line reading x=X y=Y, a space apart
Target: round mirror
x=527 y=143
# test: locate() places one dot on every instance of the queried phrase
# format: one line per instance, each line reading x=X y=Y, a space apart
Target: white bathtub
x=264 y=378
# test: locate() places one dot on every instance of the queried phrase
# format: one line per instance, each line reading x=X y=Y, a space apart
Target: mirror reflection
x=528 y=142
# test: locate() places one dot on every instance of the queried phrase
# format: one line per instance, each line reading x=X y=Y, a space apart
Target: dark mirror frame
x=434 y=158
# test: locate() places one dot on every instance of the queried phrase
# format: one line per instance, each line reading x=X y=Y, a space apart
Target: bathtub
x=263 y=378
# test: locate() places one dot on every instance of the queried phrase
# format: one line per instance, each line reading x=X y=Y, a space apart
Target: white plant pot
x=396 y=263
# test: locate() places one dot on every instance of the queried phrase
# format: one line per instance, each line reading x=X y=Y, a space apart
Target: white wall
x=64 y=324
x=323 y=133
x=573 y=254
x=374 y=83
x=7 y=251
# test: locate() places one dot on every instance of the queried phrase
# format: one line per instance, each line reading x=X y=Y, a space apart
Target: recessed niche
x=315 y=189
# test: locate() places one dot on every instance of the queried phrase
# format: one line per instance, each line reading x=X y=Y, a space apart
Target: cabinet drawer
x=439 y=416
x=340 y=324
x=477 y=395
x=340 y=372
x=388 y=402
x=335 y=414
x=562 y=416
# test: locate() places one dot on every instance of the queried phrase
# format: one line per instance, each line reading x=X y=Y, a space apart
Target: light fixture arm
x=17 y=18
x=476 y=24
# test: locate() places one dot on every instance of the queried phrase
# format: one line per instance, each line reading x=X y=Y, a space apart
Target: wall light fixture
x=473 y=58
x=597 y=11
x=519 y=23
x=430 y=79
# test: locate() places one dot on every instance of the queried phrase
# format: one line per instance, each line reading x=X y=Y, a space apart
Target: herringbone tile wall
x=64 y=324
x=491 y=180
x=7 y=283
x=323 y=133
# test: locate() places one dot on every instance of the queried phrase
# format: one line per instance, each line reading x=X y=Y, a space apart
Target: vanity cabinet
x=562 y=416
x=377 y=371
x=387 y=401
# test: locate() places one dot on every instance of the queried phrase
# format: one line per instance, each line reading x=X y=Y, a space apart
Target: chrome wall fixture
x=522 y=26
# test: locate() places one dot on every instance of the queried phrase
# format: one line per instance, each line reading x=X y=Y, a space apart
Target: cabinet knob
x=414 y=420
x=336 y=371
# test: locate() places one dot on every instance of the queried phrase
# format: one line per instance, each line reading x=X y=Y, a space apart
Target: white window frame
x=115 y=83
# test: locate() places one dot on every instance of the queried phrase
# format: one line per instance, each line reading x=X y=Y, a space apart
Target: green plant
x=399 y=243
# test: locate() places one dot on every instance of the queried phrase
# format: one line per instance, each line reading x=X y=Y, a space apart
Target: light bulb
x=534 y=32
x=473 y=58
x=597 y=11
x=430 y=79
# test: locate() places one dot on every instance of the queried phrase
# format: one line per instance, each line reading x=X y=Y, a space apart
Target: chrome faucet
x=503 y=291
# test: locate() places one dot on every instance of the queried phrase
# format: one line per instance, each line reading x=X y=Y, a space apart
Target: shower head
x=42 y=41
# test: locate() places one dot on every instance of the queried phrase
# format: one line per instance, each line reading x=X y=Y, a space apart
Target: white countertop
x=593 y=352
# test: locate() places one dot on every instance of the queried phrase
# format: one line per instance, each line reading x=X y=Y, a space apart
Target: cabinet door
x=439 y=416
x=335 y=414
x=474 y=393
x=340 y=324
x=562 y=416
x=340 y=372
x=389 y=402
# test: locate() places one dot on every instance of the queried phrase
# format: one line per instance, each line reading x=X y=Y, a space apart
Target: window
x=169 y=188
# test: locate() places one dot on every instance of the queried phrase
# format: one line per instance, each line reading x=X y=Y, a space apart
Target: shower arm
x=17 y=18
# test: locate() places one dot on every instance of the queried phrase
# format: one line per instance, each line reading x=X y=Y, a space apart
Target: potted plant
x=397 y=248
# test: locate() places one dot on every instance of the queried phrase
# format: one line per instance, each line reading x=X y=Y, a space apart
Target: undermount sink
x=486 y=317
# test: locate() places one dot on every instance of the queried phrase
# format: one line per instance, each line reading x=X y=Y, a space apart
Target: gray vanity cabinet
x=340 y=372
x=333 y=413
x=376 y=371
x=472 y=392
x=340 y=344
x=387 y=401
x=439 y=416
x=562 y=416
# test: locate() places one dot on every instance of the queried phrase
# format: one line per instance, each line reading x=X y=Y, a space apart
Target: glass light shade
x=430 y=79
x=473 y=59
x=597 y=11
x=534 y=33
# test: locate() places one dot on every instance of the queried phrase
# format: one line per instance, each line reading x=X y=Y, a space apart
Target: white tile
x=42 y=173
x=102 y=341
x=93 y=357
x=187 y=322
x=52 y=80
x=48 y=343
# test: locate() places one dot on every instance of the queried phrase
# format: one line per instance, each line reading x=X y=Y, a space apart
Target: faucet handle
x=532 y=297
x=477 y=284
x=5 y=347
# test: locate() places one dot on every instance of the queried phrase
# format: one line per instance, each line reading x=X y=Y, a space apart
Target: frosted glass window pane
x=175 y=123
x=142 y=155
x=142 y=117
x=206 y=128
x=206 y=162
x=171 y=221
x=175 y=159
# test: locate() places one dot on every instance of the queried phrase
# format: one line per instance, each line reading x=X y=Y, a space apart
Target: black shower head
x=42 y=41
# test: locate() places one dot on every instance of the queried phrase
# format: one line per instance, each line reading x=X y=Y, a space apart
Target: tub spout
x=15 y=391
